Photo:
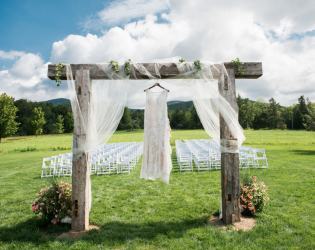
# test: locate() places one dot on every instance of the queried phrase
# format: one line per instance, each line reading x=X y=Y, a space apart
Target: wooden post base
x=230 y=181
x=81 y=164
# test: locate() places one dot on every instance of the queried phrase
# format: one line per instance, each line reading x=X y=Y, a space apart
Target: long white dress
x=157 y=150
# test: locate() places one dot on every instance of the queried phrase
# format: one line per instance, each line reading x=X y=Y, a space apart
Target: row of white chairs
x=252 y=157
x=206 y=155
x=184 y=156
x=120 y=156
x=119 y=161
x=60 y=165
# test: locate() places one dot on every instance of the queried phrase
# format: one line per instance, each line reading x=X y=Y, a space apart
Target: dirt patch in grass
x=76 y=235
x=246 y=223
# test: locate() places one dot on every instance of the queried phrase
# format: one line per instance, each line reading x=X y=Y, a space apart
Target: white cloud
x=124 y=11
x=27 y=78
x=213 y=31
x=27 y=67
x=11 y=54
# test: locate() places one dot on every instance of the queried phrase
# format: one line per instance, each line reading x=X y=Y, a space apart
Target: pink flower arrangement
x=51 y=206
x=253 y=195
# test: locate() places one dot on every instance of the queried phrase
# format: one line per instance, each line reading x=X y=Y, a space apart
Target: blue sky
x=281 y=34
x=34 y=25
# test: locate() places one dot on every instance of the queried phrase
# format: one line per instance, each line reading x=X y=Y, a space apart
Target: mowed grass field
x=133 y=213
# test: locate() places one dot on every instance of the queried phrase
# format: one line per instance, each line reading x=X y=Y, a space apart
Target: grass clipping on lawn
x=246 y=223
x=76 y=235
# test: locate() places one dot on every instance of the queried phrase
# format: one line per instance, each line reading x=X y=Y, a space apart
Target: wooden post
x=81 y=164
x=230 y=181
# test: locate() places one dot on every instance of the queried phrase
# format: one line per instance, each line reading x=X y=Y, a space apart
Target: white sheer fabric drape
x=109 y=99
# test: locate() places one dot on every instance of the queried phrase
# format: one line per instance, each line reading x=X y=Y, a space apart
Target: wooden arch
x=230 y=182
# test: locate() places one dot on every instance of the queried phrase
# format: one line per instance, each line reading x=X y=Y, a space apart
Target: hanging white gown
x=157 y=150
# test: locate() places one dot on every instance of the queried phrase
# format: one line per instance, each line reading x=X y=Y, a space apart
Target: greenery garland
x=198 y=65
x=128 y=67
x=240 y=67
x=115 y=65
x=58 y=72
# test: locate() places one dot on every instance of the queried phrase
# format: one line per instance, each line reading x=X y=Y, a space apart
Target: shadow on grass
x=37 y=232
x=303 y=152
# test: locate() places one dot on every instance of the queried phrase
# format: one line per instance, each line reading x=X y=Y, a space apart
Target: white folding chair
x=260 y=155
x=58 y=163
x=66 y=167
x=243 y=163
x=103 y=164
x=49 y=169
x=123 y=164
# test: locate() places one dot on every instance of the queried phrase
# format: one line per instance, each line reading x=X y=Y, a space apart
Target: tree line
x=23 y=117
x=271 y=115
x=179 y=119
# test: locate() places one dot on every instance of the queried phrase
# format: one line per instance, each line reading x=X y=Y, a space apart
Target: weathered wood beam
x=81 y=164
x=230 y=181
x=252 y=70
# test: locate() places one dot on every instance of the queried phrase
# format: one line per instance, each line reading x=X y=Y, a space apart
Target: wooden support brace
x=81 y=164
x=230 y=182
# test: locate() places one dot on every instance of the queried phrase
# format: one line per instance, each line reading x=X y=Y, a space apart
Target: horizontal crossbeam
x=252 y=70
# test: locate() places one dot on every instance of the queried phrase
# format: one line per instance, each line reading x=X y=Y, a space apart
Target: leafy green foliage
x=198 y=65
x=54 y=203
x=8 y=125
x=128 y=67
x=181 y=60
x=275 y=119
x=240 y=67
x=58 y=72
x=68 y=123
x=114 y=65
x=310 y=117
x=37 y=121
x=58 y=125
x=51 y=113
x=246 y=112
x=194 y=120
x=263 y=115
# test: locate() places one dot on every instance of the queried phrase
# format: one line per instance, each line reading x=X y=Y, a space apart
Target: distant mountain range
x=172 y=105
x=180 y=105
x=59 y=101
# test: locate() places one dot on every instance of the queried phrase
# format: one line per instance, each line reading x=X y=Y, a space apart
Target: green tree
x=260 y=119
x=194 y=120
x=126 y=119
x=68 y=122
x=37 y=121
x=248 y=112
x=241 y=116
x=302 y=105
x=8 y=125
x=310 y=117
x=175 y=119
x=58 y=125
x=275 y=118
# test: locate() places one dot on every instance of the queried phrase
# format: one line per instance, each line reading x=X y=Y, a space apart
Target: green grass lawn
x=133 y=213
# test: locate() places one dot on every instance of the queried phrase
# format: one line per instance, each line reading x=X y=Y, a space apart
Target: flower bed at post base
x=253 y=195
x=54 y=202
